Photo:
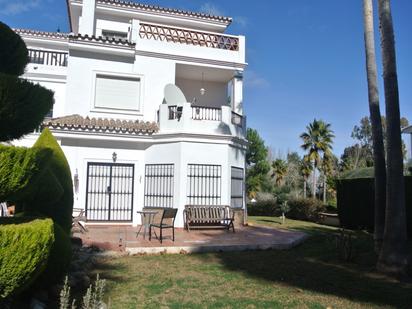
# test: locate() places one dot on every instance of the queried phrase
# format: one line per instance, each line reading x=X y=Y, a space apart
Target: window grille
x=237 y=187
x=159 y=185
x=204 y=184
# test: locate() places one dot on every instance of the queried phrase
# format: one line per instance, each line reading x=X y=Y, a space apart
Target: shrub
x=59 y=258
x=25 y=245
x=305 y=209
x=23 y=106
x=60 y=210
x=263 y=208
x=20 y=168
x=356 y=199
x=13 y=52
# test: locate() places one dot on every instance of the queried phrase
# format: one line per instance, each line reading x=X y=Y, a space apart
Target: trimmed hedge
x=25 y=245
x=60 y=207
x=307 y=209
x=13 y=52
x=20 y=168
x=356 y=199
x=263 y=208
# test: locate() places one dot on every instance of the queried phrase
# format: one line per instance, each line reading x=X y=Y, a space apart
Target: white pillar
x=87 y=20
x=238 y=93
x=134 y=30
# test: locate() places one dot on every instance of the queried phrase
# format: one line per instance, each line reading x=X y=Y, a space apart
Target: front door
x=109 y=191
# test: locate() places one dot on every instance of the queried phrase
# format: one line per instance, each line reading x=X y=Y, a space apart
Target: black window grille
x=204 y=184
x=159 y=185
x=237 y=187
x=109 y=191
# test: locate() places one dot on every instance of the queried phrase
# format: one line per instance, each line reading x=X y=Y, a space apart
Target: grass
x=308 y=276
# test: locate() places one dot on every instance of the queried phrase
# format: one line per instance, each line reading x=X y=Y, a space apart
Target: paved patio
x=123 y=238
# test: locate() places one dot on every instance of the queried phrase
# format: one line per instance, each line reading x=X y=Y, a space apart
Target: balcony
x=201 y=120
x=46 y=57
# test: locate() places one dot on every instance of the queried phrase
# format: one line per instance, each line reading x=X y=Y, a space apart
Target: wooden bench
x=208 y=216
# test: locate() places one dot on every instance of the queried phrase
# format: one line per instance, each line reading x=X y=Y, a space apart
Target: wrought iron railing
x=237 y=119
x=206 y=113
x=185 y=36
x=47 y=57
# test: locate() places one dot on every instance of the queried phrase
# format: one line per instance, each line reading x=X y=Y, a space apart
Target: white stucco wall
x=215 y=96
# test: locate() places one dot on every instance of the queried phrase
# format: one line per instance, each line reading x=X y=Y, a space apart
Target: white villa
x=131 y=139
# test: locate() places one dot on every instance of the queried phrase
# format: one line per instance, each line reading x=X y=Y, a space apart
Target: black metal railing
x=206 y=113
x=204 y=184
x=237 y=119
x=159 y=185
x=48 y=57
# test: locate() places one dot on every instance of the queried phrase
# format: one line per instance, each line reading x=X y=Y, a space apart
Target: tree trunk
x=324 y=189
x=376 y=122
x=393 y=256
x=304 y=187
x=314 y=181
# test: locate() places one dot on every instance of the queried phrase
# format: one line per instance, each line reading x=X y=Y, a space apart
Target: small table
x=147 y=219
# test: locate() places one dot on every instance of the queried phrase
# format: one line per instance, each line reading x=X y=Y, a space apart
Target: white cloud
x=15 y=7
x=253 y=80
x=211 y=9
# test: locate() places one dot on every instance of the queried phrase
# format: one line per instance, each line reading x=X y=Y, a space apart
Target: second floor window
x=117 y=92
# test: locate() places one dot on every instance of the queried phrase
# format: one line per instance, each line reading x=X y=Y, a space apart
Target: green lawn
x=308 y=276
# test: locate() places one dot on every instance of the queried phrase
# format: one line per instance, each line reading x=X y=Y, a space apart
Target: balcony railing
x=191 y=37
x=47 y=57
x=206 y=113
x=237 y=119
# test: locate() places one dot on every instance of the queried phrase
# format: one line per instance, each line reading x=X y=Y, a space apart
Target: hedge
x=60 y=207
x=20 y=168
x=25 y=245
x=13 y=52
x=356 y=203
x=263 y=208
x=307 y=209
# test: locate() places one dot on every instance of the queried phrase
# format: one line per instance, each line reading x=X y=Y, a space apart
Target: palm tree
x=280 y=168
x=317 y=139
x=393 y=256
x=326 y=168
x=305 y=170
x=376 y=123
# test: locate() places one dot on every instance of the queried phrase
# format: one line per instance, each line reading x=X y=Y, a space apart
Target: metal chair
x=169 y=214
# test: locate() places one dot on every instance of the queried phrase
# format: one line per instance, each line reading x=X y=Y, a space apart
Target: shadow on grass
x=314 y=266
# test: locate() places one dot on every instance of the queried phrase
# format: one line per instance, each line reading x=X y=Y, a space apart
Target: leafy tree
x=23 y=104
x=317 y=140
x=293 y=176
x=256 y=160
x=393 y=256
x=279 y=168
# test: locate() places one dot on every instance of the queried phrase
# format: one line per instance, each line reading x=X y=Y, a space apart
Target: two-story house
x=133 y=139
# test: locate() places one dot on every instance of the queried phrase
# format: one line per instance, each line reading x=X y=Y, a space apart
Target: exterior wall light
x=114 y=157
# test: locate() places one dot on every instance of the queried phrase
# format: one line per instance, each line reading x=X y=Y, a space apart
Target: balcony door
x=109 y=192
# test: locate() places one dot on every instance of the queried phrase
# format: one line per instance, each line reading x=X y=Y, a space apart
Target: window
x=116 y=92
x=237 y=187
x=114 y=34
x=159 y=184
x=204 y=185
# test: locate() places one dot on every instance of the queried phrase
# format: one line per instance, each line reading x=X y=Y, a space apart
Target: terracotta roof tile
x=46 y=34
x=155 y=8
x=100 y=39
x=101 y=125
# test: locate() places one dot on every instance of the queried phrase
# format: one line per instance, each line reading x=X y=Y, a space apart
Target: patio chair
x=79 y=219
x=169 y=215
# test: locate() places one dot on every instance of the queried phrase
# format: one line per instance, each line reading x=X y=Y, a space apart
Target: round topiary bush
x=25 y=245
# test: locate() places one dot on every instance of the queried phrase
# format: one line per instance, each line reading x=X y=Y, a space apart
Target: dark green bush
x=59 y=210
x=59 y=259
x=23 y=106
x=307 y=209
x=356 y=203
x=263 y=208
x=24 y=250
x=20 y=169
x=13 y=52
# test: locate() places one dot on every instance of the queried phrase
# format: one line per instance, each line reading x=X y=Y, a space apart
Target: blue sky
x=305 y=59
